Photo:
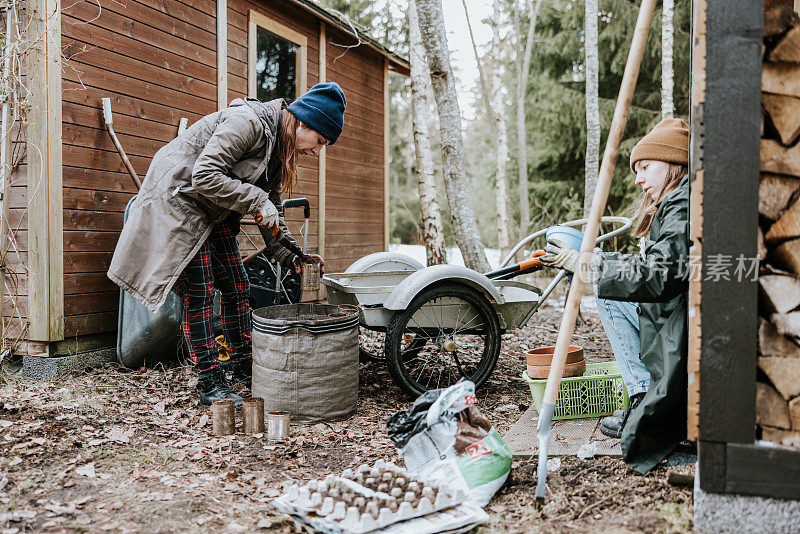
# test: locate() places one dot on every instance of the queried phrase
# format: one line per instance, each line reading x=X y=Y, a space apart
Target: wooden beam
x=728 y=312
x=758 y=470
x=45 y=204
x=222 y=54
x=387 y=154
x=323 y=58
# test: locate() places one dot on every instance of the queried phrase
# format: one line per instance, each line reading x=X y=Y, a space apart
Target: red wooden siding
x=156 y=60
x=157 y=63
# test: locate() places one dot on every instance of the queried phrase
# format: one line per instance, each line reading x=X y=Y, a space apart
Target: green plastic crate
x=598 y=392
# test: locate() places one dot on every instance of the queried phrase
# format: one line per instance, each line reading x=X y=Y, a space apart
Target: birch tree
x=465 y=227
x=592 y=104
x=433 y=235
x=501 y=152
x=523 y=65
x=667 y=72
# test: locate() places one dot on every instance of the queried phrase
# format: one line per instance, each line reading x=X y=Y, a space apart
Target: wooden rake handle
x=600 y=196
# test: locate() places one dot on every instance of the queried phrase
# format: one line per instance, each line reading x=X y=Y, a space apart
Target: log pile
x=778 y=387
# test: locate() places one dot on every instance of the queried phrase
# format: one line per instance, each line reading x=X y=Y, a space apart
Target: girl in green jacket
x=642 y=300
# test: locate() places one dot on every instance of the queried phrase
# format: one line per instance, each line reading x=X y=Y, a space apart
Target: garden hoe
x=589 y=237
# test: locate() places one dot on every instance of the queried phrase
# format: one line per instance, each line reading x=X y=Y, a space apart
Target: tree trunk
x=592 y=164
x=465 y=227
x=501 y=152
x=667 y=73
x=433 y=235
x=523 y=63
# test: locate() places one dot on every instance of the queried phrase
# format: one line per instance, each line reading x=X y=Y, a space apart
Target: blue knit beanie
x=322 y=109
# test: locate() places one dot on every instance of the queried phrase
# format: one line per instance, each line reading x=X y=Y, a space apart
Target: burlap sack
x=311 y=370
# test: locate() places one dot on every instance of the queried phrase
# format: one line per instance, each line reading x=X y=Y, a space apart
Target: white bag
x=458 y=447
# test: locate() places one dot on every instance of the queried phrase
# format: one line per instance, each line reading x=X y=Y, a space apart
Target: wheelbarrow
x=146 y=338
x=443 y=323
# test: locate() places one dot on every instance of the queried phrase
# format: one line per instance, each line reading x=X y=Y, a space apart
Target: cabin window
x=276 y=60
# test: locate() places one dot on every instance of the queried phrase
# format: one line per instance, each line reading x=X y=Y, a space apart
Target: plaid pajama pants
x=218 y=264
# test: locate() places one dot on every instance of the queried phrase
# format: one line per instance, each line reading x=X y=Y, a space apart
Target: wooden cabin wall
x=157 y=63
x=355 y=170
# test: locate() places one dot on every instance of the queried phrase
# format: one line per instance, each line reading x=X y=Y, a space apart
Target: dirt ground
x=132 y=451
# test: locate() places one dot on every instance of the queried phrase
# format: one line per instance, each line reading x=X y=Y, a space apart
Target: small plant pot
x=542 y=356
x=570 y=369
x=539 y=359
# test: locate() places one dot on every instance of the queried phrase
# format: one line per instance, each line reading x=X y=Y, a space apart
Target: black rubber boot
x=612 y=425
x=213 y=386
x=242 y=375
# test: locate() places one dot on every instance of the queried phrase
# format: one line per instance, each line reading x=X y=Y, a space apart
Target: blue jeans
x=621 y=323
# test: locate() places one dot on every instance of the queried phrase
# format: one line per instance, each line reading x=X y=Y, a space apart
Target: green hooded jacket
x=658 y=280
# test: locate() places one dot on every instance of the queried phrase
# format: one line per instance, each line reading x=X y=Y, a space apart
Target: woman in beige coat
x=182 y=227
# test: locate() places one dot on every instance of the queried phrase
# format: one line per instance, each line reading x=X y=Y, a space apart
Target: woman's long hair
x=287 y=152
x=648 y=207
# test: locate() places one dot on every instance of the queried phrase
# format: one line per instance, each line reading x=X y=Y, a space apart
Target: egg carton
x=368 y=498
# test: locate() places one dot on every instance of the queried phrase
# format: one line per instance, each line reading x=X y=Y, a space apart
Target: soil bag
x=445 y=437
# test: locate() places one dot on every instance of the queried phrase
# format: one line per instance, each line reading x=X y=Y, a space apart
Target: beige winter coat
x=194 y=182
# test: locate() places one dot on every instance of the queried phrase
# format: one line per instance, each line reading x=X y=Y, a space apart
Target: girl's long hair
x=286 y=151
x=648 y=207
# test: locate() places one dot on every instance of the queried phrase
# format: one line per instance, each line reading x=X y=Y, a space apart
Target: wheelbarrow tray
x=370 y=290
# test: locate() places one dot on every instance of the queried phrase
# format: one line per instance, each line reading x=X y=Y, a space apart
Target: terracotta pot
x=542 y=356
x=570 y=369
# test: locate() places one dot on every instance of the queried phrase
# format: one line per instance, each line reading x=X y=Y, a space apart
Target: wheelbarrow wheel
x=371 y=346
x=461 y=335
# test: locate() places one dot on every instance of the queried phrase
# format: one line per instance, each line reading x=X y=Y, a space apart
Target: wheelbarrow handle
x=533 y=263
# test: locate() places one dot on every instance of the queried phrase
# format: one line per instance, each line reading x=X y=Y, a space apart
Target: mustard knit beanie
x=667 y=141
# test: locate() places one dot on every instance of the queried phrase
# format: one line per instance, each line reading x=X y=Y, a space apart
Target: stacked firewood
x=778 y=387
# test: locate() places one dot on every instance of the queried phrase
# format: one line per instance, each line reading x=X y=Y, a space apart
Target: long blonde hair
x=648 y=206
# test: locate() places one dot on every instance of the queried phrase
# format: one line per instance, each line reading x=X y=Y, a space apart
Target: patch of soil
x=116 y=450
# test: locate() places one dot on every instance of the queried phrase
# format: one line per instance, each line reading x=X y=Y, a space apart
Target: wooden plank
x=98 y=180
x=45 y=214
x=92 y=220
x=134 y=127
x=75 y=283
x=222 y=54
x=119 y=83
x=141 y=71
x=94 y=302
x=185 y=12
x=758 y=470
x=97 y=139
x=87 y=158
x=161 y=121
x=139 y=21
x=118 y=43
x=91 y=323
x=730 y=102
x=323 y=153
x=387 y=155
